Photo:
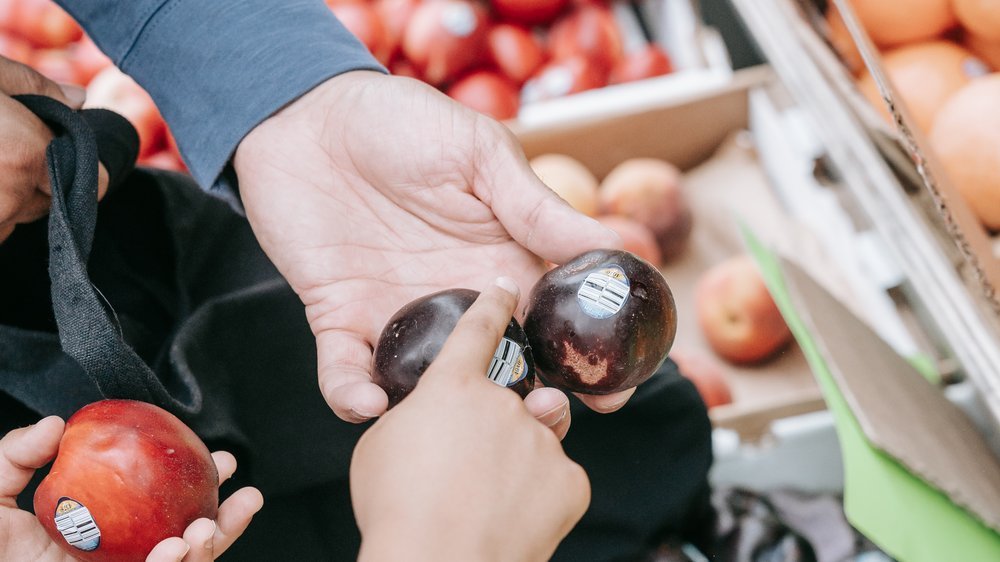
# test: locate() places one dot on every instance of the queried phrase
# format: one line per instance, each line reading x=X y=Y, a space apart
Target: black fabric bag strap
x=88 y=331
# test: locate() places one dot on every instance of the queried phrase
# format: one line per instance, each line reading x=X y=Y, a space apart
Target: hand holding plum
x=371 y=191
x=23 y=537
x=446 y=473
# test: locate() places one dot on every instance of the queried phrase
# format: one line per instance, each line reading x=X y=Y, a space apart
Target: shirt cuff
x=216 y=69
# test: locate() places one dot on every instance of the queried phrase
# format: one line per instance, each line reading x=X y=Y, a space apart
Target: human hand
x=24 y=182
x=373 y=190
x=22 y=537
x=460 y=470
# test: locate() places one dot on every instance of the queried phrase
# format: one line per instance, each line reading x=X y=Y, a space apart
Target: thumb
x=533 y=214
x=24 y=450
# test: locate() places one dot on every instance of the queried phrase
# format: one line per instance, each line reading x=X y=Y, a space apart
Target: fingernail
x=360 y=416
x=74 y=94
x=554 y=416
x=509 y=285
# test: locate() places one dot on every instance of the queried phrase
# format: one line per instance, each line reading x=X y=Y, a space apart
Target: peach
x=737 y=314
x=570 y=179
x=636 y=237
x=648 y=190
x=706 y=373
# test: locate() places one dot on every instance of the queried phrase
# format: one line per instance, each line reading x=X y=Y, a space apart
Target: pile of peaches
x=644 y=201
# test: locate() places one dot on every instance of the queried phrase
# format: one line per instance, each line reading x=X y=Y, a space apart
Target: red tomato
x=590 y=31
x=44 y=24
x=395 y=15
x=88 y=59
x=403 y=67
x=57 y=65
x=164 y=160
x=15 y=48
x=645 y=63
x=514 y=50
x=445 y=37
x=487 y=92
x=563 y=77
x=532 y=12
x=364 y=23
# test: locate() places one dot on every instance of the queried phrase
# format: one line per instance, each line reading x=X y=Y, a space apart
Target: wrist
x=411 y=543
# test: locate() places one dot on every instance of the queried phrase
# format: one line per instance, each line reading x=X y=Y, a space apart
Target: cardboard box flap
x=898 y=410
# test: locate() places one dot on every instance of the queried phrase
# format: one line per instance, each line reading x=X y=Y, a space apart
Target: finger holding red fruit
x=28 y=536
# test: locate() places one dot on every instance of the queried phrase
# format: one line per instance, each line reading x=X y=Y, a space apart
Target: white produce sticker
x=77 y=526
x=604 y=292
x=507 y=367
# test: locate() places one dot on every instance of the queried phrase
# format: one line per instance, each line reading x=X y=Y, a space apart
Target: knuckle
x=579 y=483
x=480 y=324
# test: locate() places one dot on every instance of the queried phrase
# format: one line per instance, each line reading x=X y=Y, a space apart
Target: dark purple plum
x=416 y=333
x=601 y=323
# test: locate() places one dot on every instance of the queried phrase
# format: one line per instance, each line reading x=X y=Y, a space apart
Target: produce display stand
x=791 y=154
x=942 y=258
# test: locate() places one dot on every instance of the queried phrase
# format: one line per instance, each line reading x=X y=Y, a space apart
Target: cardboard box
x=893 y=187
x=697 y=53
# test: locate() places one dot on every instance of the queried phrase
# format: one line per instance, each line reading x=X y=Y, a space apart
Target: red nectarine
x=737 y=314
x=127 y=476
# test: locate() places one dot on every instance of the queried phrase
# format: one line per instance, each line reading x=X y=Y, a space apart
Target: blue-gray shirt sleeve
x=217 y=68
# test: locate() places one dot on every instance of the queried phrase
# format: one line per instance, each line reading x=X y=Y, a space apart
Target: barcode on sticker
x=77 y=525
x=603 y=293
x=507 y=365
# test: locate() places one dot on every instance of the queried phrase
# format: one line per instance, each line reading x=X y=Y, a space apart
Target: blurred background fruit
x=570 y=179
x=737 y=314
x=925 y=75
x=706 y=373
x=979 y=17
x=966 y=138
x=648 y=191
x=895 y=22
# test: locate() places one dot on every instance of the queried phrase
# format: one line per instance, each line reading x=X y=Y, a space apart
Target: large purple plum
x=601 y=323
x=416 y=333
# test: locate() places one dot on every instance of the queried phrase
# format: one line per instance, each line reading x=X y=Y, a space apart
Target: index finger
x=471 y=345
